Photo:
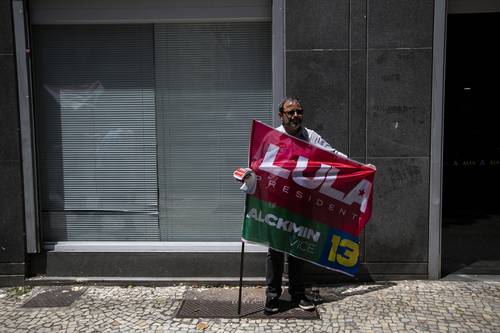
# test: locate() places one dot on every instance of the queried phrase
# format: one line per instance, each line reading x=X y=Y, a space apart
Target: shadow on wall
x=318 y=276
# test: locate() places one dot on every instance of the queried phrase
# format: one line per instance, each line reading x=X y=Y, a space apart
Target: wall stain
x=404 y=177
x=391 y=77
x=395 y=109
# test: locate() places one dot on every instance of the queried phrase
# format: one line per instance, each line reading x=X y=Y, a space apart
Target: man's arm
x=317 y=140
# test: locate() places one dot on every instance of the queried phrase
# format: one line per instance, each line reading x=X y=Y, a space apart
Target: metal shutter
x=212 y=79
x=96 y=132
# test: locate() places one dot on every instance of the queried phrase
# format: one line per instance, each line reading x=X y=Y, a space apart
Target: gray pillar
x=12 y=255
x=363 y=69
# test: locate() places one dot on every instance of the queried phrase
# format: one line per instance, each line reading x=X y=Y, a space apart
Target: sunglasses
x=292 y=112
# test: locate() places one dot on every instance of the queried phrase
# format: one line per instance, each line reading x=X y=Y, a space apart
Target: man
x=291 y=114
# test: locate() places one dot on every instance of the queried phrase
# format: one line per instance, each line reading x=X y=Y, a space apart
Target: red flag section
x=311 y=181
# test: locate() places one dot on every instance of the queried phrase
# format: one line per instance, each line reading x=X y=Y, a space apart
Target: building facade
x=122 y=122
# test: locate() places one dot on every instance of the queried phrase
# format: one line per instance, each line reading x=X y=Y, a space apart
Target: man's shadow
x=331 y=294
x=339 y=292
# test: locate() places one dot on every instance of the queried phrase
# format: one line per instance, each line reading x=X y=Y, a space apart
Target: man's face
x=291 y=117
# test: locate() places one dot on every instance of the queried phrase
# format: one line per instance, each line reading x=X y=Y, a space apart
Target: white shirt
x=314 y=138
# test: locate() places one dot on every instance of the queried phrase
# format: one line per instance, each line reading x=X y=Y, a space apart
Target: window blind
x=108 y=96
x=96 y=132
x=212 y=79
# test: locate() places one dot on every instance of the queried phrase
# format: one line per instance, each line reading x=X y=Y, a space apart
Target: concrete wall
x=363 y=70
x=11 y=195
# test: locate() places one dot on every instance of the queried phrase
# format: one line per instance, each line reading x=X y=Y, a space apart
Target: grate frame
x=54 y=298
x=203 y=308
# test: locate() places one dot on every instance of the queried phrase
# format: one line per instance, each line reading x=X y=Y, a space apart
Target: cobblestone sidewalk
x=402 y=306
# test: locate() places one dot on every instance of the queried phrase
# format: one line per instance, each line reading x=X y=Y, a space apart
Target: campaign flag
x=308 y=202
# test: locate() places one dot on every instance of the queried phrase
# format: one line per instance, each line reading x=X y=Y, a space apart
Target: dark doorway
x=471 y=179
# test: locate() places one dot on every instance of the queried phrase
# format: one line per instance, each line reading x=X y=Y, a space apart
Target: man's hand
x=248 y=178
x=241 y=173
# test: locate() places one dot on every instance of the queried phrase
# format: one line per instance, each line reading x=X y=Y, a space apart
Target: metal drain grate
x=196 y=308
x=58 y=297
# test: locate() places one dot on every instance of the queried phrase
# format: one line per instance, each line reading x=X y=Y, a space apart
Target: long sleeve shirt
x=314 y=138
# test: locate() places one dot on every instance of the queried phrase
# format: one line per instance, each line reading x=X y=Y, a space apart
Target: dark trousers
x=274 y=273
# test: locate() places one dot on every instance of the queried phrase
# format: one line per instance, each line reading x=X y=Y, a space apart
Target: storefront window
x=140 y=126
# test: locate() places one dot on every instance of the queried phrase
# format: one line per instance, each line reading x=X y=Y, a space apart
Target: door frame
x=436 y=153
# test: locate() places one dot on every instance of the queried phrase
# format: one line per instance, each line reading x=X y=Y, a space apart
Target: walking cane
x=241 y=276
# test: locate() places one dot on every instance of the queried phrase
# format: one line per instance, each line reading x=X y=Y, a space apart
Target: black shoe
x=304 y=303
x=272 y=305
